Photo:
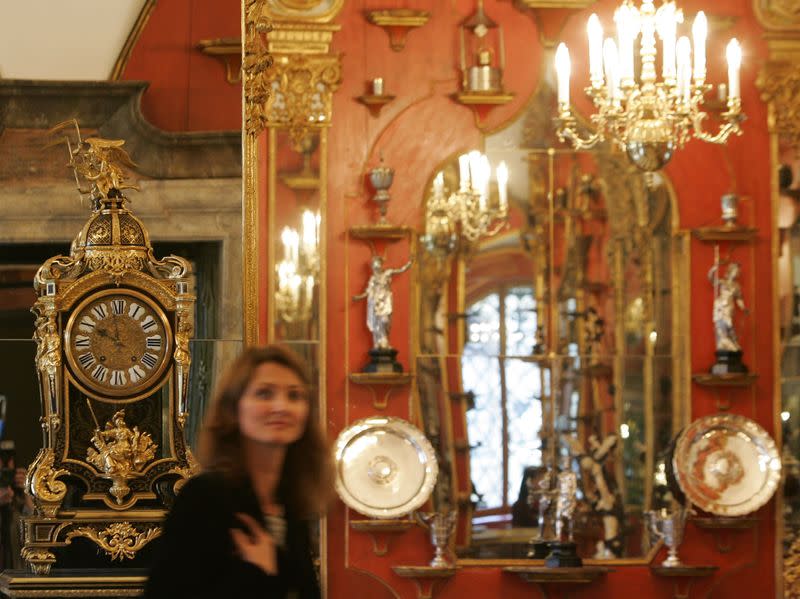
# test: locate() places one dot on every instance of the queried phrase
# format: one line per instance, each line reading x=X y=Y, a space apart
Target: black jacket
x=196 y=559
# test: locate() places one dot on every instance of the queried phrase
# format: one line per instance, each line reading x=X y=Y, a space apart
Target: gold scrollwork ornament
x=39 y=558
x=255 y=64
x=119 y=540
x=779 y=82
x=43 y=484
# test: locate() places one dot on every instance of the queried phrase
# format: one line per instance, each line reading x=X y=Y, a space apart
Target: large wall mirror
x=556 y=342
x=786 y=206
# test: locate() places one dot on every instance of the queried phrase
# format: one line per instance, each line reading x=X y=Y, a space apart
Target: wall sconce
x=298 y=271
x=470 y=213
x=482 y=54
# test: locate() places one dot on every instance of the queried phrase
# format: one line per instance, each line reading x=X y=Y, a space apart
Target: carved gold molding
x=119 y=540
x=779 y=82
x=255 y=64
x=778 y=15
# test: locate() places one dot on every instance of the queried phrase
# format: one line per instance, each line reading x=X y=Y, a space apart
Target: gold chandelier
x=298 y=271
x=470 y=213
x=649 y=119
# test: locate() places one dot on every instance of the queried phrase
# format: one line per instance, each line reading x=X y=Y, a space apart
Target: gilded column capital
x=779 y=82
x=778 y=15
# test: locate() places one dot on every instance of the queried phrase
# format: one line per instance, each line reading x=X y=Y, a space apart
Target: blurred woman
x=240 y=529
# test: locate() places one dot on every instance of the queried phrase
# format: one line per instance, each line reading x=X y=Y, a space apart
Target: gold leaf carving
x=42 y=479
x=39 y=558
x=255 y=64
x=119 y=540
x=120 y=453
x=779 y=82
x=187 y=472
x=778 y=15
x=116 y=262
x=303 y=87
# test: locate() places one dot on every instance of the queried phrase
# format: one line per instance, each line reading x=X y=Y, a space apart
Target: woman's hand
x=256 y=545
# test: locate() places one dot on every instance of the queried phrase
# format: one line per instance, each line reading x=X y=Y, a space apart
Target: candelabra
x=297 y=272
x=649 y=119
x=468 y=214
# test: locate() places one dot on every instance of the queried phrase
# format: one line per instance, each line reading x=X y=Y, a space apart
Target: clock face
x=117 y=342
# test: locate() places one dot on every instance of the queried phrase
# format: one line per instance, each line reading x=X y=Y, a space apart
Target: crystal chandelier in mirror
x=471 y=213
x=297 y=272
x=649 y=119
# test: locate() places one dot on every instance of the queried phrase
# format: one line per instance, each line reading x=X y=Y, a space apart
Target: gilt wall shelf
x=426 y=578
x=380 y=531
x=482 y=102
x=722 y=528
x=379 y=231
x=543 y=574
x=725 y=233
x=743 y=379
x=374 y=102
x=397 y=22
x=301 y=181
x=682 y=577
x=391 y=380
x=482 y=98
x=229 y=51
x=552 y=580
x=722 y=523
x=381 y=378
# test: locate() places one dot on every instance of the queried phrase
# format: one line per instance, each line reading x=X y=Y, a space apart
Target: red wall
x=421 y=129
x=188 y=91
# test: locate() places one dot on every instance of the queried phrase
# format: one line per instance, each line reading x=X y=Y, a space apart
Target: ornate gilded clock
x=117 y=343
x=113 y=325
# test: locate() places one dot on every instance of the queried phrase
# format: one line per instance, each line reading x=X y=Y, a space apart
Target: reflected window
x=506 y=419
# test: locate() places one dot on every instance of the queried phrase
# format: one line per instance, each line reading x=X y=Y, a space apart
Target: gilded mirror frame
x=297 y=35
x=779 y=84
x=679 y=256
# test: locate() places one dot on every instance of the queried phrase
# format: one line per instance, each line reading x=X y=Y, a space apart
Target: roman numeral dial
x=118 y=343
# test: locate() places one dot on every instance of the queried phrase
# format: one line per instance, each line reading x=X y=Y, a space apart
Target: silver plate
x=726 y=464
x=385 y=467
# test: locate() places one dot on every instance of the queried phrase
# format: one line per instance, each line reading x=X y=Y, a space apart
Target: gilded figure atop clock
x=118 y=343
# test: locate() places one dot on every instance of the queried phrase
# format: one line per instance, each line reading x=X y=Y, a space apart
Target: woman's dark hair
x=307 y=477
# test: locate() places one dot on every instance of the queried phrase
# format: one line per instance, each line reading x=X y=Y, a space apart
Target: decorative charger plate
x=726 y=464
x=385 y=467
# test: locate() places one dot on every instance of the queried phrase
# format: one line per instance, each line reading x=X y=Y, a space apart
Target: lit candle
x=294 y=245
x=666 y=23
x=474 y=170
x=563 y=73
x=377 y=86
x=286 y=235
x=626 y=18
x=294 y=286
x=684 y=52
x=699 y=33
x=502 y=185
x=734 y=54
x=595 y=31
x=438 y=183
x=309 y=233
x=463 y=172
x=309 y=288
x=611 y=66
x=485 y=170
